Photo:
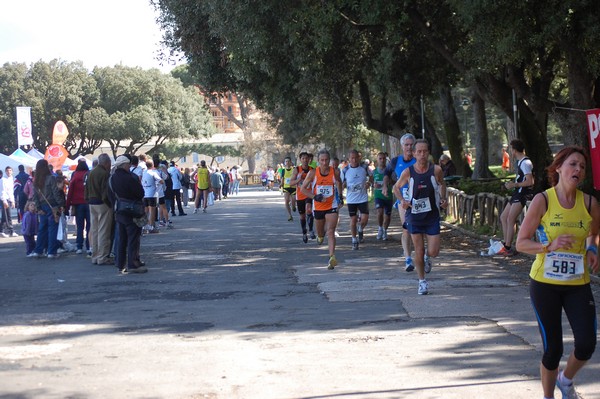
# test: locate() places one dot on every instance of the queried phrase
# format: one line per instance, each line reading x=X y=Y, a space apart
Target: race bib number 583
x=563 y=266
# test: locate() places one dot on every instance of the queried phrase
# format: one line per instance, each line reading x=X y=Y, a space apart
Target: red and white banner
x=24 y=136
x=593 y=119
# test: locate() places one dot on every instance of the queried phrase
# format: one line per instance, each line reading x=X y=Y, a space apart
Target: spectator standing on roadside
x=101 y=213
x=126 y=185
x=216 y=182
x=7 y=197
x=21 y=198
x=225 y=182
x=505 y=160
x=29 y=227
x=177 y=177
x=150 y=181
x=448 y=167
x=522 y=192
x=81 y=209
x=185 y=186
x=49 y=203
x=203 y=187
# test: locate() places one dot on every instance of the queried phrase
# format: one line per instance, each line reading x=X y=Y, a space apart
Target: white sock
x=564 y=380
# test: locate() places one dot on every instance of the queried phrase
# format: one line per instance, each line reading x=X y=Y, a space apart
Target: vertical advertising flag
x=24 y=136
x=593 y=119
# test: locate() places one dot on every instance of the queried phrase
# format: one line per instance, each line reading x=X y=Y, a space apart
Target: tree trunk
x=452 y=129
x=481 y=140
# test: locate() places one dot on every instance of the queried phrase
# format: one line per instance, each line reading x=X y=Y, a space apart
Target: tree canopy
x=125 y=107
x=314 y=66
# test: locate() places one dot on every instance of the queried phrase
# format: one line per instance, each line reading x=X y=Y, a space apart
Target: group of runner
x=417 y=185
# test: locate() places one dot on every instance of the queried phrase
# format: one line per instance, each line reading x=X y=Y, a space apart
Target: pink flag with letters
x=593 y=119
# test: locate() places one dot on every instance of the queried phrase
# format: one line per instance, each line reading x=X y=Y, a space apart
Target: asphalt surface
x=235 y=305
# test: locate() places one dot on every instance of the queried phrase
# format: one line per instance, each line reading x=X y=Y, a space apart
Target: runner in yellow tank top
x=289 y=188
x=568 y=223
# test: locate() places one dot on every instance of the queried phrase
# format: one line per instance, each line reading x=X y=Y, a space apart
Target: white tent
x=35 y=153
x=5 y=161
x=23 y=158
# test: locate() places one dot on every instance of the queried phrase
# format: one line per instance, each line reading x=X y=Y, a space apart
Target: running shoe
x=291 y=219
x=423 y=287
x=568 y=391
x=320 y=240
x=409 y=264
x=336 y=234
x=384 y=237
x=380 y=233
x=304 y=238
x=360 y=234
x=4 y=235
x=428 y=265
x=332 y=262
x=204 y=210
x=195 y=210
x=312 y=235
x=79 y=251
x=13 y=234
x=354 y=244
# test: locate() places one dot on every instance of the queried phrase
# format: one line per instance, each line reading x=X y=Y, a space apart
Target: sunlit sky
x=98 y=33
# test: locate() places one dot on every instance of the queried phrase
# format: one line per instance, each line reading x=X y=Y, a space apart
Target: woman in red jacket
x=81 y=209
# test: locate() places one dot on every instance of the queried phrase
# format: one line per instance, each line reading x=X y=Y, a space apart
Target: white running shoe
x=423 y=287
x=380 y=233
x=384 y=237
x=428 y=264
x=568 y=391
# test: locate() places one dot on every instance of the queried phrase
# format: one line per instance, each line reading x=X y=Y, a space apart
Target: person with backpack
x=522 y=192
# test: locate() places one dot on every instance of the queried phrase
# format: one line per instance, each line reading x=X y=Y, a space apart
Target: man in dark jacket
x=126 y=185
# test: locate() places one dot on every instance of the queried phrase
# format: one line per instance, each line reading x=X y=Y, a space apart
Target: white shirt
x=356 y=184
x=137 y=170
x=8 y=186
x=150 y=180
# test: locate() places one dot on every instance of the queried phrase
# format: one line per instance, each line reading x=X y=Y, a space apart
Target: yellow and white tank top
x=564 y=267
x=287 y=177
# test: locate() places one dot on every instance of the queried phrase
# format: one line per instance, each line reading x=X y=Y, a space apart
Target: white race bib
x=327 y=191
x=420 y=205
x=378 y=184
x=357 y=188
x=563 y=266
x=287 y=180
x=405 y=194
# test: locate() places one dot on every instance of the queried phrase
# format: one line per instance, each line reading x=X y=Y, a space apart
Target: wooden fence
x=480 y=209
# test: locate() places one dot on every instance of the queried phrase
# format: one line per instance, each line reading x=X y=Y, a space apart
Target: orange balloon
x=60 y=133
x=56 y=155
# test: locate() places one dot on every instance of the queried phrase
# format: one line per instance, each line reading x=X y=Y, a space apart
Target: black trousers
x=128 y=247
x=177 y=195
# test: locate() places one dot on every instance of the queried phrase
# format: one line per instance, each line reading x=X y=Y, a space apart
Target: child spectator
x=29 y=227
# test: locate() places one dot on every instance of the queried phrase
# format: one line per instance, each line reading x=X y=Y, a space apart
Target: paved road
x=236 y=306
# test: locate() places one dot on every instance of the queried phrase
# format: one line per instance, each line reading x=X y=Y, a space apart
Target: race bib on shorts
x=327 y=191
x=420 y=205
x=563 y=266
